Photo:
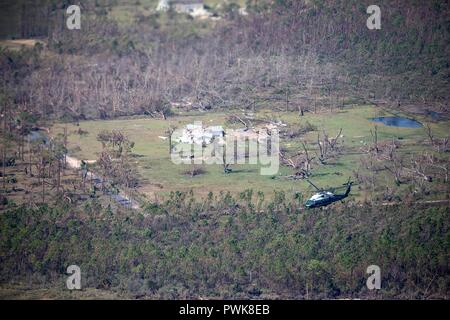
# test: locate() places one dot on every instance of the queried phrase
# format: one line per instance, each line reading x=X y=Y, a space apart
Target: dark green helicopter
x=325 y=197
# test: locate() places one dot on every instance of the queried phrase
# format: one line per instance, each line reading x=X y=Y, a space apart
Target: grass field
x=159 y=176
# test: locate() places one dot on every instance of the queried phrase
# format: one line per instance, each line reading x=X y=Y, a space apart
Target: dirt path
x=122 y=198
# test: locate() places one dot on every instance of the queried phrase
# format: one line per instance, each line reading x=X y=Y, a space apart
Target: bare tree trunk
x=4 y=169
x=287 y=100
x=65 y=148
x=300 y=109
x=59 y=176
x=430 y=135
x=43 y=180
x=30 y=152
x=308 y=160
x=22 y=157
x=375 y=139
x=4 y=153
x=169 y=132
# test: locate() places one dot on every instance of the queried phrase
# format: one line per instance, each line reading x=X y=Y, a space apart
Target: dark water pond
x=398 y=122
x=436 y=115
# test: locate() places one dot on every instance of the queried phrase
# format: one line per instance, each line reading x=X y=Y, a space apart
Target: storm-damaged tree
x=115 y=160
x=441 y=145
x=41 y=164
x=374 y=135
x=396 y=168
x=6 y=147
x=59 y=153
x=170 y=130
x=394 y=163
x=225 y=163
x=420 y=167
x=301 y=163
x=24 y=122
x=6 y=141
x=328 y=147
x=104 y=165
x=116 y=141
x=233 y=118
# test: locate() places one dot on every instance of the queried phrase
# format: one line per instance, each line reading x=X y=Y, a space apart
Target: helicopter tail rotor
x=349 y=182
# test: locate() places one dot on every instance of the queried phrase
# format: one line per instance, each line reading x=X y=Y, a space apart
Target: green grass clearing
x=160 y=176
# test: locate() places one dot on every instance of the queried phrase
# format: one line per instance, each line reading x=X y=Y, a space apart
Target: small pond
x=436 y=115
x=398 y=122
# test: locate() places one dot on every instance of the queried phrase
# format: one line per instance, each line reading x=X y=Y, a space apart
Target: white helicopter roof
x=321 y=195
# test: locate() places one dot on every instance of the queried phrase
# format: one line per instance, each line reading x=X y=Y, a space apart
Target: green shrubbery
x=223 y=247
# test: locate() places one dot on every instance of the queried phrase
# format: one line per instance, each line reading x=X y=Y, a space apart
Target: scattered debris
x=197 y=134
x=195 y=8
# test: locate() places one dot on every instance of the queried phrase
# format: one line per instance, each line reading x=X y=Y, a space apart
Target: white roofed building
x=195 y=8
x=197 y=134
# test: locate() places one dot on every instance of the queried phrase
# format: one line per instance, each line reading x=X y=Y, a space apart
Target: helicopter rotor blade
x=314 y=185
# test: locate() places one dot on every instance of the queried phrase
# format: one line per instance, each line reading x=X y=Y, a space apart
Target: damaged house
x=195 y=8
x=197 y=134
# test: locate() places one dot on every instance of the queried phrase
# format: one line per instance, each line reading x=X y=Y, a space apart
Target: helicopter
x=325 y=197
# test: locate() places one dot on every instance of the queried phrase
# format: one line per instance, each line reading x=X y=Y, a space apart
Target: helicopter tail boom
x=349 y=187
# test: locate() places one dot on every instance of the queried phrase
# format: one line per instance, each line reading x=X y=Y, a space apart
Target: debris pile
x=197 y=134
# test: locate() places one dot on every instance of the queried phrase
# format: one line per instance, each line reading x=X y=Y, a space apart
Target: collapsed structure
x=197 y=134
x=195 y=8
